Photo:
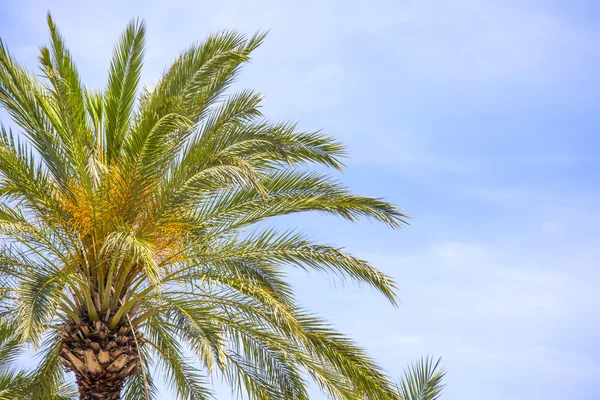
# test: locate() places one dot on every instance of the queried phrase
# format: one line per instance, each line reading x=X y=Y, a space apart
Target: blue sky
x=479 y=118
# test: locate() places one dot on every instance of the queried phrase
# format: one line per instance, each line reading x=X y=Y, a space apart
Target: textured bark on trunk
x=105 y=388
x=100 y=358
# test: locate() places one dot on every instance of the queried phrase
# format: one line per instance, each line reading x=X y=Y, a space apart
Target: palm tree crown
x=127 y=216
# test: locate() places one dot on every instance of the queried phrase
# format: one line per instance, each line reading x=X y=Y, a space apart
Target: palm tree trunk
x=100 y=358
x=99 y=389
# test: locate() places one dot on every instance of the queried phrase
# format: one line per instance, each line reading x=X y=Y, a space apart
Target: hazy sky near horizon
x=478 y=118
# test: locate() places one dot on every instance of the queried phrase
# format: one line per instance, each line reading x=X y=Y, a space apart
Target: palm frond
x=65 y=105
x=294 y=249
x=123 y=81
x=47 y=381
x=423 y=380
x=135 y=386
x=38 y=299
x=181 y=376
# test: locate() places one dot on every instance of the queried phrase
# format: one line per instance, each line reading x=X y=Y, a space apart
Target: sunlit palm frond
x=123 y=80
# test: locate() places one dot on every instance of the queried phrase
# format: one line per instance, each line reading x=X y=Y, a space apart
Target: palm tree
x=130 y=240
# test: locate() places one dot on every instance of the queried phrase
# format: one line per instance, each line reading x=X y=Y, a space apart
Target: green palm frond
x=123 y=81
x=12 y=383
x=294 y=249
x=47 y=381
x=39 y=296
x=179 y=374
x=423 y=380
x=141 y=385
